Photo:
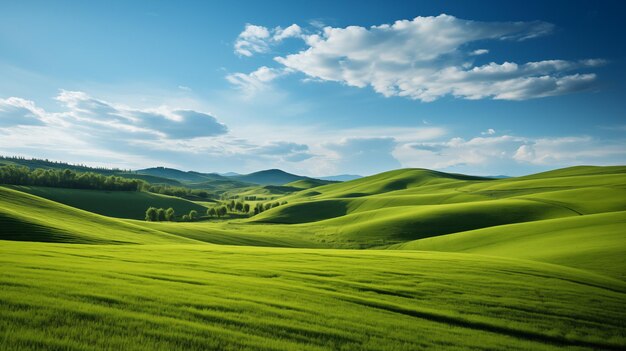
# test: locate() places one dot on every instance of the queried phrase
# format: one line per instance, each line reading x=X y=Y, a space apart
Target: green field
x=454 y=262
x=120 y=204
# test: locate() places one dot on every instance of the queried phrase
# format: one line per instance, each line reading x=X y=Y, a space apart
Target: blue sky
x=315 y=88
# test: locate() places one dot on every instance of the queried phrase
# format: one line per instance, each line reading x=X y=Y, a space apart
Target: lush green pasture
x=529 y=263
x=120 y=204
x=199 y=297
x=595 y=242
x=26 y=217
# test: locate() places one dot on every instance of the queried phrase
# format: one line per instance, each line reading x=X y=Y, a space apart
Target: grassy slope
x=268 y=177
x=199 y=297
x=195 y=296
x=594 y=242
x=120 y=204
x=410 y=204
x=309 y=183
x=27 y=217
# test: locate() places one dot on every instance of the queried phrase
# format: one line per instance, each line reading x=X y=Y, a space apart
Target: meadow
x=405 y=260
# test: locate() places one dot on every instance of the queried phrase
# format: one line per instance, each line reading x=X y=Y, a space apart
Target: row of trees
x=238 y=206
x=220 y=211
x=154 y=214
x=178 y=191
x=266 y=206
x=67 y=178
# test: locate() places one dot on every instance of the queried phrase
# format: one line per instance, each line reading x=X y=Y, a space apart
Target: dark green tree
x=151 y=214
x=239 y=206
x=160 y=214
x=169 y=214
x=222 y=210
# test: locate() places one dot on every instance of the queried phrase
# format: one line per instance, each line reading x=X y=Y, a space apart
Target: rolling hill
x=528 y=263
x=269 y=177
x=180 y=176
x=594 y=242
x=309 y=183
x=119 y=204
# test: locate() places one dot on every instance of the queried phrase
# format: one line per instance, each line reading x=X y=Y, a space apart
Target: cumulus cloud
x=258 y=39
x=293 y=31
x=489 y=131
x=252 y=40
x=425 y=59
x=93 y=129
x=160 y=122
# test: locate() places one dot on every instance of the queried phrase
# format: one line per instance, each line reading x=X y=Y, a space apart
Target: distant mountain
x=498 y=177
x=341 y=177
x=269 y=177
x=181 y=176
x=230 y=174
x=34 y=163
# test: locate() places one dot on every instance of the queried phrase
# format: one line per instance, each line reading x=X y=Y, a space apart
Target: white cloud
x=19 y=112
x=158 y=122
x=570 y=150
x=426 y=58
x=293 y=31
x=507 y=151
x=256 y=81
x=479 y=52
x=252 y=40
x=96 y=131
x=258 y=39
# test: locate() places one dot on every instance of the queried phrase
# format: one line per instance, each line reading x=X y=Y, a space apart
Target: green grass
x=529 y=263
x=201 y=297
x=309 y=183
x=595 y=242
x=120 y=204
x=26 y=217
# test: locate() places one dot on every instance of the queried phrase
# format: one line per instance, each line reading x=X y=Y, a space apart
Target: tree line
x=154 y=214
x=67 y=178
x=178 y=191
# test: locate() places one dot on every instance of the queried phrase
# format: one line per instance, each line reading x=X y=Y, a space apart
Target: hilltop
x=269 y=177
